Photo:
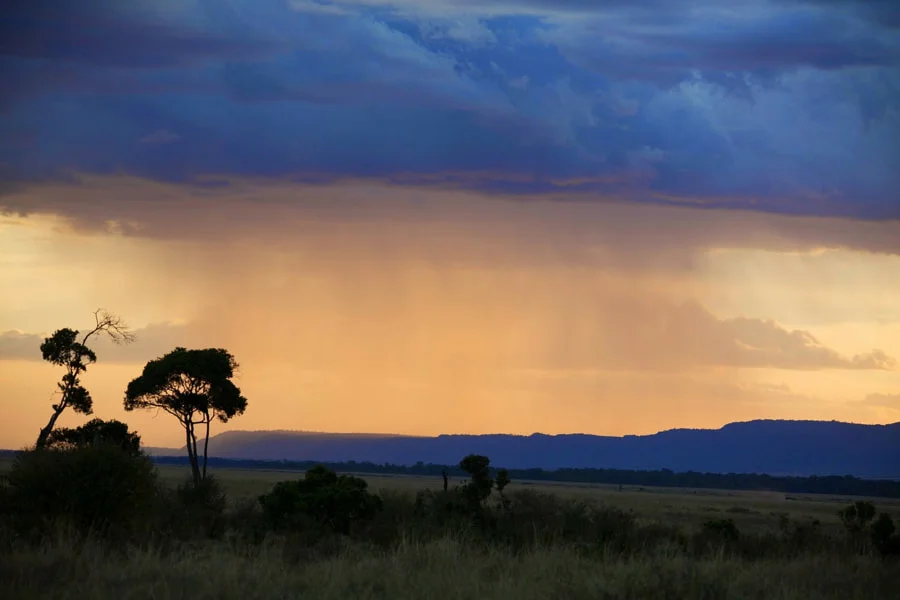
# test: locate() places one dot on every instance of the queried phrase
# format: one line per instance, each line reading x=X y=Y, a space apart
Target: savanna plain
x=153 y=533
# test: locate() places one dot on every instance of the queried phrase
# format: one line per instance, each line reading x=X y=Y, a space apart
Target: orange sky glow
x=368 y=307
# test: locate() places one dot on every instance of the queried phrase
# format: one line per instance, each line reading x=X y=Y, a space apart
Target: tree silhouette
x=195 y=387
x=64 y=349
x=479 y=487
x=96 y=431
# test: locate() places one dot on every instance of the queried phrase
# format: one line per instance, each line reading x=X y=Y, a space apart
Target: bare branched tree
x=112 y=325
x=64 y=348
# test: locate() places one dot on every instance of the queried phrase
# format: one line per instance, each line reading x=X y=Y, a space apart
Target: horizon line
x=538 y=433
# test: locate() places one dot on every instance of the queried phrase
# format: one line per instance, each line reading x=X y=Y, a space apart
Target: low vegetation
x=662 y=478
x=94 y=520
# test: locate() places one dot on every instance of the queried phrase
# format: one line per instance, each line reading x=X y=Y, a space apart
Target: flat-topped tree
x=195 y=387
x=64 y=348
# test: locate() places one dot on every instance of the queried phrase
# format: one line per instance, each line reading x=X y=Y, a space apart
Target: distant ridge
x=774 y=447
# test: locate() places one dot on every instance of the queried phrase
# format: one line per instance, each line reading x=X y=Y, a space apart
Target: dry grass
x=440 y=569
x=690 y=508
x=451 y=567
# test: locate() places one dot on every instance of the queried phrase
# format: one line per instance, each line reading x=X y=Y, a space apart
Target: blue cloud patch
x=788 y=106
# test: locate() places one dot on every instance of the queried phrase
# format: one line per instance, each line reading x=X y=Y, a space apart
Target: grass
x=392 y=561
x=443 y=568
x=751 y=511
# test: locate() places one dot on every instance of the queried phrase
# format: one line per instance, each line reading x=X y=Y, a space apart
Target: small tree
x=96 y=431
x=478 y=488
x=195 y=387
x=64 y=349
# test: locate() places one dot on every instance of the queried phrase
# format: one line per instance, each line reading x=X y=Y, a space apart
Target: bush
x=883 y=537
x=98 y=488
x=798 y=535
x=331 y=500
x=719 y=532
x=857 y=516
x=613 y=526
x=882 y=529
x=196 y=509
x=866 y=532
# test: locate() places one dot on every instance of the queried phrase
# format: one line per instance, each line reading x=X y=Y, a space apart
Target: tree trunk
x=192 y=451
x=45 y=432
x=197 y=477
x=205 y=446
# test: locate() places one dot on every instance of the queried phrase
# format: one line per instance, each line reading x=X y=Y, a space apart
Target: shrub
x=857 y=516
x=797 y=535
x=98 y=488
x=721 y=531
x=883 y=537
x=196 y=509
x=335 y=501
x=882 y=529
x=441 y=507
x=613 y=526
x=866 y=532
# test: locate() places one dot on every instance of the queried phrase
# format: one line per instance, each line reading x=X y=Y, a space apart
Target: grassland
x=444 y=568
x=408 y=564
x=751 y=511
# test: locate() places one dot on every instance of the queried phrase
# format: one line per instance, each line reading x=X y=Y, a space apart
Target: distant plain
x=681 y=506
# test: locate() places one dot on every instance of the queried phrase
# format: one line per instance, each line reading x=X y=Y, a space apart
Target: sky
x=427 y=216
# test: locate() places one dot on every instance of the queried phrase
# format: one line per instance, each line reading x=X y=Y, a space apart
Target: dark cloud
x=765 y=45
x=882 y=12
x=383 y=212
x=98 y=32
x=786 y=107
x=885 y=13
x=160 y=136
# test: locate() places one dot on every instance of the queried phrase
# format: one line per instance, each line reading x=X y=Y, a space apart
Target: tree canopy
x=96 y=431
x=195 y=387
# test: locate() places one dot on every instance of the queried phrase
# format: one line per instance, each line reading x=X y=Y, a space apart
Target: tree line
x=831 y=485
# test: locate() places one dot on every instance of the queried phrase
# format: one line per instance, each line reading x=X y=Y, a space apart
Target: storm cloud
x=788 y=107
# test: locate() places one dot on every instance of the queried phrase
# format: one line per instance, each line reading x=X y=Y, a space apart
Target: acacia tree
x=195 y=387
x=65 y=349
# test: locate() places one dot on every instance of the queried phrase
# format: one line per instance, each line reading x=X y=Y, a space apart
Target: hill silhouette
x=774 y=447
